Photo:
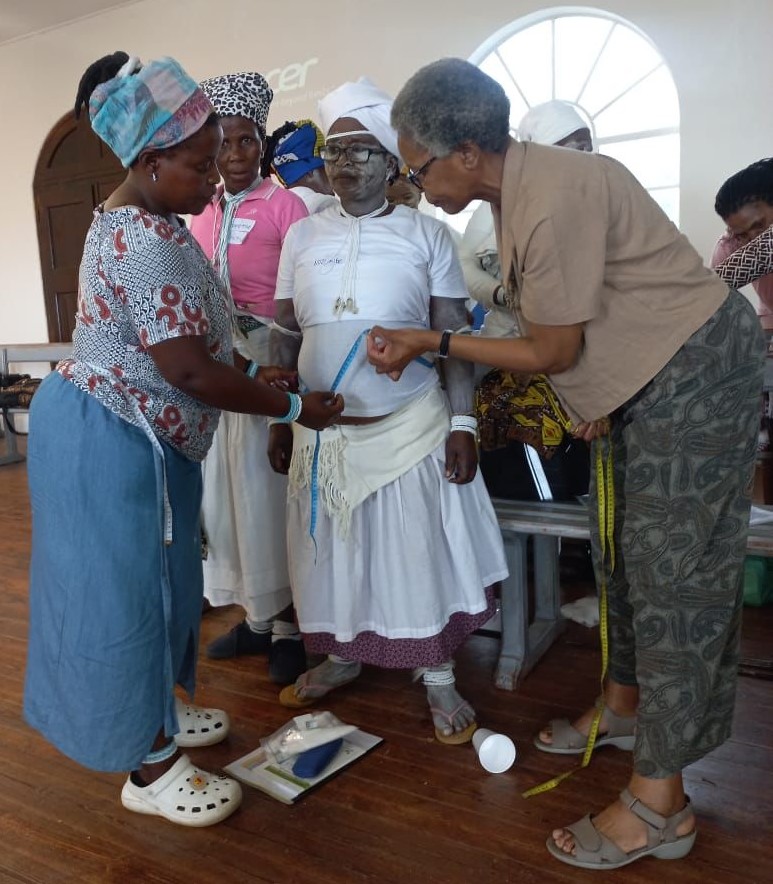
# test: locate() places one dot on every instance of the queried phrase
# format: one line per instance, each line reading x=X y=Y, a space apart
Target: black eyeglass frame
x=415 y=177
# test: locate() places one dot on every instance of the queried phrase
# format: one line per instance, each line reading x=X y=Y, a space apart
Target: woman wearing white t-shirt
x=393 y=542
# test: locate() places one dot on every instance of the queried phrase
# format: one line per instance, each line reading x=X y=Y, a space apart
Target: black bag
x=526 y=452
x=512 y=473
x=16 y=391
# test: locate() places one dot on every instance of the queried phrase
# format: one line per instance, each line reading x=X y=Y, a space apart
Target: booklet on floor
x=273 y=771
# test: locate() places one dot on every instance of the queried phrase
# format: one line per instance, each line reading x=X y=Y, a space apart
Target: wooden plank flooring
x=412 y=811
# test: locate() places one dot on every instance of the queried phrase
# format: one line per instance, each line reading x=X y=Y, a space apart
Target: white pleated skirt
x=410 y=581
x=243 y=513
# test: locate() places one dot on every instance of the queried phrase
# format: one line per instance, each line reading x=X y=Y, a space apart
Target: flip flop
x=567 y=740
x=288 y=696
x=457 y=738
x=593 y=850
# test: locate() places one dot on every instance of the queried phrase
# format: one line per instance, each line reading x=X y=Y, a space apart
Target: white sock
x=282 y=629
x=261 y=627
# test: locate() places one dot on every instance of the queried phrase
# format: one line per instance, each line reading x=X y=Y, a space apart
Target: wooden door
x=75 y=172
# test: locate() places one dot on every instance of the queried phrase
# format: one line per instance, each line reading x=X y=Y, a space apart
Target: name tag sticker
x=239 y=230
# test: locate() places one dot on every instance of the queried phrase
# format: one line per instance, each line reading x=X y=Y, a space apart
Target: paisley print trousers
x=683 y=451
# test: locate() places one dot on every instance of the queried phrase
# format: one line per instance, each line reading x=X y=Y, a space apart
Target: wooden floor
x=411 y=811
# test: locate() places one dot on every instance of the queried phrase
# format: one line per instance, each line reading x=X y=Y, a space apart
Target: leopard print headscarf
x=246 y=94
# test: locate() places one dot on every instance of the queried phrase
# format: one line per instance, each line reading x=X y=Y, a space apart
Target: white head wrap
x=365 y=102
x=550 y=122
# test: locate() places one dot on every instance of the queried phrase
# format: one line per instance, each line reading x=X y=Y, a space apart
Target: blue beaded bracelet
x=293 y=412
x=252 y=369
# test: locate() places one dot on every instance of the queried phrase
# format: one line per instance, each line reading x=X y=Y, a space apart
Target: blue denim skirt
x=114 y=611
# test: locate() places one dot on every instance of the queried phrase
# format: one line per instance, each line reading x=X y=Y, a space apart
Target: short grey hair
x=449 y=102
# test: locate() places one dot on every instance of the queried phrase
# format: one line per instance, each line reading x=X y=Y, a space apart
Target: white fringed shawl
x=355 y=460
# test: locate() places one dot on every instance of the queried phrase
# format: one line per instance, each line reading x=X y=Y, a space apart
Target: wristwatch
x=445 y=340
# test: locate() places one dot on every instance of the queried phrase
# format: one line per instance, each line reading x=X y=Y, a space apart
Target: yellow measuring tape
x=606 y=509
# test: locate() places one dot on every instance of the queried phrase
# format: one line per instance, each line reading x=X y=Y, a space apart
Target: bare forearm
x=513 y=354
x=286 y=336
x=459 y=377
x=458 y=374
x=226 y=387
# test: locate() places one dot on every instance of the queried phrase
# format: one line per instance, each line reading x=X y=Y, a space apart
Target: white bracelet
x=465 y=423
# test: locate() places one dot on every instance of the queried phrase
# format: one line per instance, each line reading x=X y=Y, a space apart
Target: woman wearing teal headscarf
x=117 y=434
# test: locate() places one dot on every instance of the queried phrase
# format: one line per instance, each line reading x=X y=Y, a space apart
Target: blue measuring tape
x=345 y=366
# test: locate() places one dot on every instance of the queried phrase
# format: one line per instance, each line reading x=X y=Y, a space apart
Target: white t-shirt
x=404 y=259
x=315 y=202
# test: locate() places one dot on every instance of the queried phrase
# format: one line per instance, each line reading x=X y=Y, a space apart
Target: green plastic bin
x=758 y=581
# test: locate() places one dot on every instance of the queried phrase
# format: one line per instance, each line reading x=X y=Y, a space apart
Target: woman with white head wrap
x=393 y=543
x=241 y=231
x=558 y=123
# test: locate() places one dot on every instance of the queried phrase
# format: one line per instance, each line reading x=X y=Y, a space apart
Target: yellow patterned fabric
x=514 y=407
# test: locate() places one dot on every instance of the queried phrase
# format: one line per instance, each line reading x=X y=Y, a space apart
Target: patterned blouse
x=143 y=280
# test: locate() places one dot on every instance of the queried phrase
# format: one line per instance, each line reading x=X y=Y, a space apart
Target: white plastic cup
x=496 y=752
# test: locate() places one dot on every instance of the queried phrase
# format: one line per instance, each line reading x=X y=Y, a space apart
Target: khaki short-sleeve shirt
x=581 y=241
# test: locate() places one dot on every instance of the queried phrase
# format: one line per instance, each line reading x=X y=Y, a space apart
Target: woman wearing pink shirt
x=242 y=231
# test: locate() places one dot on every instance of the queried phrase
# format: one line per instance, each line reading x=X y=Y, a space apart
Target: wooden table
x=522 y=642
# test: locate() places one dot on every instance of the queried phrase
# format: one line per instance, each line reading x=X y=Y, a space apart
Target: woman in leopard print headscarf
x=241 y=232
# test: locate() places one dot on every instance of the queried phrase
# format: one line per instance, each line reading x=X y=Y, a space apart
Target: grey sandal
x=567 y=740
x=592 y=850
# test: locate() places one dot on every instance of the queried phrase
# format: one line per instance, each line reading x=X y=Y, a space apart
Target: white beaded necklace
x=347 y=300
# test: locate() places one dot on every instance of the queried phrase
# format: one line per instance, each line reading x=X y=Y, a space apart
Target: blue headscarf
x=156 y=105
x=297 y=153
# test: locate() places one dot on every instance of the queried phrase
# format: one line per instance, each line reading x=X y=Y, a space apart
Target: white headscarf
x=365 y=102
x=550 y=122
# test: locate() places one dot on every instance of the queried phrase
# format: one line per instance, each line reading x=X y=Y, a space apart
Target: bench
x=524 y=642
x=23 y=353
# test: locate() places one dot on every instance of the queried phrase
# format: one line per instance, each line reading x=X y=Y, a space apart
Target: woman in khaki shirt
x=617 y=308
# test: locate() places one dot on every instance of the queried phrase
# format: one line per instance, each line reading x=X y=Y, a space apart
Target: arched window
x=610 y=71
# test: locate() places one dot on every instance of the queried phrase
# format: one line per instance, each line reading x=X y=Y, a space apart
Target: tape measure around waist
x=345 y=366
x=605 y=490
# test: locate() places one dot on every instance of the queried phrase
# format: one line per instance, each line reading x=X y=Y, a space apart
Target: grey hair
x=449 y=102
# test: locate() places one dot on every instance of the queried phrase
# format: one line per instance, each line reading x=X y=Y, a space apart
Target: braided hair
x=750 y=185
x=100 y=71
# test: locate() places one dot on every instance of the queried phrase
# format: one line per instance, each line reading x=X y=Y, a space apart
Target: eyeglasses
x=355 y=153
x=415 y=177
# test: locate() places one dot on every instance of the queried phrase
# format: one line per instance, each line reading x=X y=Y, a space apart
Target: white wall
x=719 y=54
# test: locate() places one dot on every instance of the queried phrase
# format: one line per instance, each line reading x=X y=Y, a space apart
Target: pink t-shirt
x=264 y=218
x=725 y=247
